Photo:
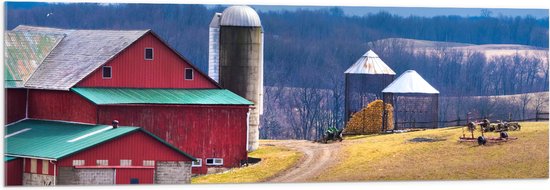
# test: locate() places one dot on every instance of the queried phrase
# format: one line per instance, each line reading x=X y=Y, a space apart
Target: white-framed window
x=148 y=163
x=214 y=161
x=149 y=54
x=189 y=74
x=125 y=162
x=197 y=163
x=102 y=162
x=78 y=162
x=107 y=72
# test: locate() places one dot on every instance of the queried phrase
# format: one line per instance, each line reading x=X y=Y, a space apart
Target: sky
x=363 y=10
x=417 y=11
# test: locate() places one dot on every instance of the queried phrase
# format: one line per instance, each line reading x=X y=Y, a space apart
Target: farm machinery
x=499 y=126
x=333 y=134
x=486 y=126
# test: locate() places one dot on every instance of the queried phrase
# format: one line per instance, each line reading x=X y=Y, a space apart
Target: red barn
x=64 y=153
x=14 y=166
x=96 y=76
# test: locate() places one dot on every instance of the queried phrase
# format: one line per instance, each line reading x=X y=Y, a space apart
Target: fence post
x=458 y=121
x=509 y=116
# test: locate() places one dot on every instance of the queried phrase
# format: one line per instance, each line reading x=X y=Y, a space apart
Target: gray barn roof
x=80 y=53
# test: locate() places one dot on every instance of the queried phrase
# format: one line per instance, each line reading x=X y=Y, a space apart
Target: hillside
x=395 y=157
x=488 y=50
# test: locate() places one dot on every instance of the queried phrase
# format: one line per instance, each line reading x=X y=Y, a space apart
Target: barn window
x=45 y=166
x=125 y=162
x=78 y=162
x=214 y=161
x=189 y=74
x=102 y=162
x=148 y=163
x=197 y=163
x=33 y=166
x=148 y=53
x=107 y=72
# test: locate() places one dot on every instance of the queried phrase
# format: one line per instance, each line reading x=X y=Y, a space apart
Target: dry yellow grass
x=274 y=160
x=393 y=157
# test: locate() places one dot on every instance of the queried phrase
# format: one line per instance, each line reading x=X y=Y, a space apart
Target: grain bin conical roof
x=410 y=82
x=370 y=63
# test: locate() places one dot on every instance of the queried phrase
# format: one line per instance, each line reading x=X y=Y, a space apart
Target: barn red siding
x=16 y=104
x=144 y=175
x=202 y=131
x=27 y=168
x=61 y=105
x=130 y=69
x=136 y=146
x=27 y=165
x=13 y=173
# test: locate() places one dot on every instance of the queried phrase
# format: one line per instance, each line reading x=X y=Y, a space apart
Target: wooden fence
x=539 y=116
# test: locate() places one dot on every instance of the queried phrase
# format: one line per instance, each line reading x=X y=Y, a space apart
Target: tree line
x=295 y=41
x=467 y=73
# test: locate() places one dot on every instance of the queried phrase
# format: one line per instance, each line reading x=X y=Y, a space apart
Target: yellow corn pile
x=369 y=119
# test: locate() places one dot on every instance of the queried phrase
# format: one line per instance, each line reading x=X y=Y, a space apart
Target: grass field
x=274 y=160
x=394 y=157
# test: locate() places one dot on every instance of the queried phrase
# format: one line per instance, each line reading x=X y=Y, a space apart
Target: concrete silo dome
x=240 y=16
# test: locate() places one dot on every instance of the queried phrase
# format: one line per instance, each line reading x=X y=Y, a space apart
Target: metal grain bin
x=365 y=80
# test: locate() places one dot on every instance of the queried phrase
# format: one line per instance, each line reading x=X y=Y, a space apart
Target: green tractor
x=333 y=134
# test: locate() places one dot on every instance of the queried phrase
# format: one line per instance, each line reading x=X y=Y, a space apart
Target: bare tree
x=524 y=100
x=271 y=127
x=486 y=106
x=541 y=101
x=337 y=102
x=305 y=111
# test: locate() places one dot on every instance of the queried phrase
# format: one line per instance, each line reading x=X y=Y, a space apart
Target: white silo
x=214 y=47
x=240 y=64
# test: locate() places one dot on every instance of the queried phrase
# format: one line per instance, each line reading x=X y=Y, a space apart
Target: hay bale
x=369 y=119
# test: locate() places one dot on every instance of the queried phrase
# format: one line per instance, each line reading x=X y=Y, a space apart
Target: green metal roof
x=9 y=158
x=105 y=96
x=13 y=84
x=54 y=140
x=24 y=51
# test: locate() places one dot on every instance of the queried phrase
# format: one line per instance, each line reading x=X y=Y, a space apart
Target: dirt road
x=317 y=158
